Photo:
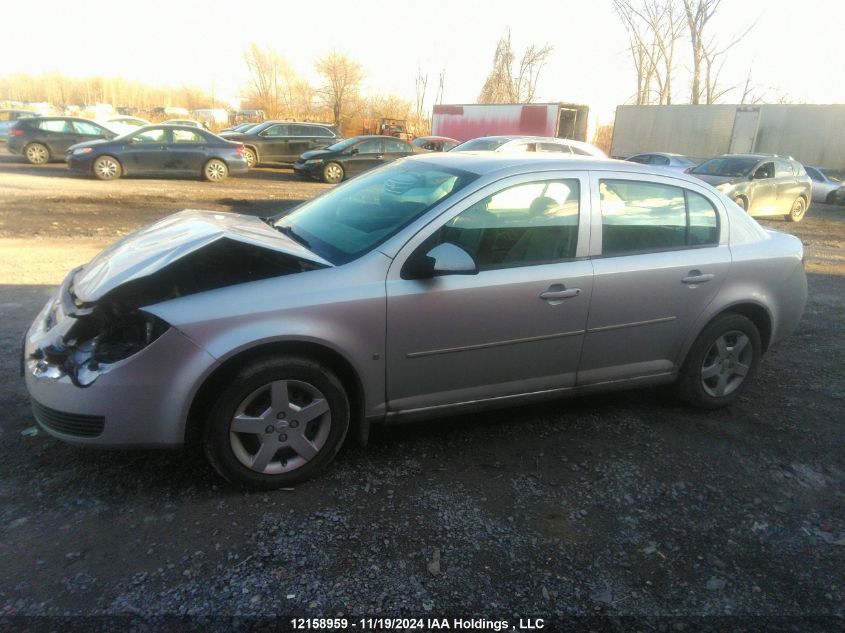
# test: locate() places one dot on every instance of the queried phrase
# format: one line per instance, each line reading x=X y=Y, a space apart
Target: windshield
x=480 y=145
x=352 y=219
x=726 y=166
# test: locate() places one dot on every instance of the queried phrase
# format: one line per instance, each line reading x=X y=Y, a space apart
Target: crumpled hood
x=154 y=247
x=717 y=180
x=314 y=153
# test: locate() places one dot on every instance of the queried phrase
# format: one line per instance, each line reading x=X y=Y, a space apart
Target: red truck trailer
x=463 y=122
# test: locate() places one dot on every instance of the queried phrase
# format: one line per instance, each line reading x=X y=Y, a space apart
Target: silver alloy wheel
x=250 y=158
x=798 y=209
x=333 y=173
x=215 y=171
x=37 y=154
x=280 y=427
x=726 y=364
x=106 y=168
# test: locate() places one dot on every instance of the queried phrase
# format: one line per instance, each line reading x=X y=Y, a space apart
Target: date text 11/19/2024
x=415 y=624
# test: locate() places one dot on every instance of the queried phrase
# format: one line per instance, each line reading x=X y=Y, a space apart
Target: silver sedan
x=435 y=285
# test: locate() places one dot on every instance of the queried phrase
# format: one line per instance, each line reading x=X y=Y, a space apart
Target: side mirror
x=353 y=151
x=443 y=259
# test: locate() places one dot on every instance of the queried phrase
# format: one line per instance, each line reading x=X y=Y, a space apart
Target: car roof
x=436 y=138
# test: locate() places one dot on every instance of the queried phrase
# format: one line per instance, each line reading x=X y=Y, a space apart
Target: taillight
x=240 y=149
x=688 y=170
x=15 y=132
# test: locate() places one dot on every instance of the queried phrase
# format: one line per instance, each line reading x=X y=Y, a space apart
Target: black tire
x=742 y=203
x=831 y=198
x=799 y=208
x=36 y=153
x=697 y=384
x=229 y=451
x=215 y=170
x=333 y=173
x=251 y=157
x=107 y=168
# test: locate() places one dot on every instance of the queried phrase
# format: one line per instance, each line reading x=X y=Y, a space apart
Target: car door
x=147 y=152
x=763 y=193
x=517 y=325
x=786 y=183
x=301 y=140
x=58 y=135
x=660 y=255
x=274 y=143
x=363 y=156
x=187 y=151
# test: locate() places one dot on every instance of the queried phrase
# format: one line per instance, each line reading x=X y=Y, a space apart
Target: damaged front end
x=97 y=319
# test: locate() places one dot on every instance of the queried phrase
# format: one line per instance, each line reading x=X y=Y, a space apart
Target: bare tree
x=441 y=82
x=342 y=80
x=506 y=84
x=271 y=80
x=654 y=27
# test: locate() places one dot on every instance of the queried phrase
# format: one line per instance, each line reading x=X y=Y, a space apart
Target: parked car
x=762 y=184
x=161 y=150
x=434 y=143
x=674 y=162
x=284 y=141
x=517 y=278
x=189 y=122
x=8 y=118
x=44 y=139
x=123 y=124
x=529 y=144
x=350 y=157
x=825 y=188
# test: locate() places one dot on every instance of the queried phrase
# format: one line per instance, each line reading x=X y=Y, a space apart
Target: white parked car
x=529 y=144
x=123 y=124
x=191 y=122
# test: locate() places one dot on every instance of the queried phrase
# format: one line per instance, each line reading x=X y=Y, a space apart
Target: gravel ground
x=620 y=505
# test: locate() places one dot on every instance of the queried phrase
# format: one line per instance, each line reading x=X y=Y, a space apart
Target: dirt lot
x=627 y=504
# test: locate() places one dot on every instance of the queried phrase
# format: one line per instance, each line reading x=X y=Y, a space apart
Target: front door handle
x=558 y=292
x=697 y=277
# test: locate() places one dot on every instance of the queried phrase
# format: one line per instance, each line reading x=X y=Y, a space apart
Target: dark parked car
x=351 y=157
x=42 y=139
x=762 y=184
x=434 y=143
x=243 y=127
x=283 y=142
x=171 y=150
x=8 y=118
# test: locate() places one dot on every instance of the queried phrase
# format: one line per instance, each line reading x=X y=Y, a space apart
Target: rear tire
x=333 y=173
x=721 y=363
x=279 y=421
x=251 y=158
x=215 y=170
x=799 y=208
x=107 y=168
x=36 y=154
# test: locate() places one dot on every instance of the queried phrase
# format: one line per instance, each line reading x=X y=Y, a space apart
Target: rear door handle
x=558 y=292
x=697 y=277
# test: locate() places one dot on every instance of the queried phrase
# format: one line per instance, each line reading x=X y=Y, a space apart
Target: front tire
x=333 y=173
x=279 y=422
x=799 y=207
x=721 y=362
x=36 y=154
x=215 y=170
x=107 y=168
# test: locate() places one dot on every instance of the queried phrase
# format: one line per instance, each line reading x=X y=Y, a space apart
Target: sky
x=793 y=50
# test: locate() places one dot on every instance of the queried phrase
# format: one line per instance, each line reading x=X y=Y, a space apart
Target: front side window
x=659 y=160
x=554 y=147
x=525 y=224
x=766 y=170
x=88 y=129
x=732 y=166
x=642 y=159
x=276 y=130
x=396 y=147
x=156 y=135
x=373 y=146
x=641 y=217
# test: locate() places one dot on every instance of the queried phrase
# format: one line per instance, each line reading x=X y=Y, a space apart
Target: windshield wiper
x=293 y=235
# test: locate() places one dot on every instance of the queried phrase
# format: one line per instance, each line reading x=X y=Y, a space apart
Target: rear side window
x=799 y=170
x=553 y=147
x=54 y=126
x=815 y=175
x=187 y=136
x=321 y=132
x=783 y=168
x=642 y=217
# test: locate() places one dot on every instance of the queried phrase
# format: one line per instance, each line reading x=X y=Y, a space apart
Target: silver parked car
x=762 y=184
x=826 y=186
x=673 y=162
x=437 y=284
